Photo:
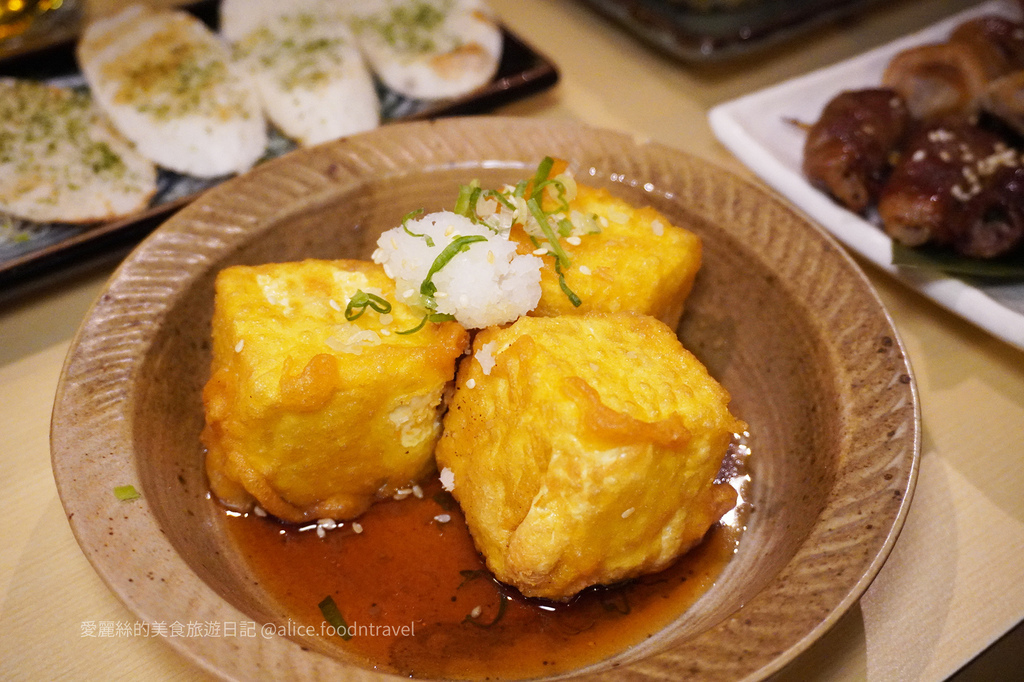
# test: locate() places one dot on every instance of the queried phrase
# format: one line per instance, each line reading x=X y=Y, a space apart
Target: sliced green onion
x=457 y=246
x=573 y=298
x=412 y=215
x=565 y=227
x=563 y=204
x=465 y=205
x=429 y=317
x=126 y=493
x=361 y=300
x=333 y=616
x=543 y=171
x=545 y=226
x=499 y=197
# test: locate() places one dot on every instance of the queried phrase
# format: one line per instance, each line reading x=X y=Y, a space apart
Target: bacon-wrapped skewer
x=941 y=79
x=956 y=185
x=847 y=151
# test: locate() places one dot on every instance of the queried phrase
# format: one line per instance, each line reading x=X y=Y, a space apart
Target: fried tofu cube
x=583 y=450
x=313 y=415
x=638 y=262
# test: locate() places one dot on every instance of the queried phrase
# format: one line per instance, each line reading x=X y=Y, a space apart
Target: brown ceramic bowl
x=780 y=315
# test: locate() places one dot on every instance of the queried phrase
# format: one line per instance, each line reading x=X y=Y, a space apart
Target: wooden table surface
x=952 y=585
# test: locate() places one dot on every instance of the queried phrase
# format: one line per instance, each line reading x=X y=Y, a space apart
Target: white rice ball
x=486 y=284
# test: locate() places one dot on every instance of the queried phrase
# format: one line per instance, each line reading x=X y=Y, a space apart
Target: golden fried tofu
x=638 y=262
x=312 y=415
x=583 y=450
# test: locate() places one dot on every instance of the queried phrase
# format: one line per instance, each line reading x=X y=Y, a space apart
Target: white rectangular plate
x=756 y=129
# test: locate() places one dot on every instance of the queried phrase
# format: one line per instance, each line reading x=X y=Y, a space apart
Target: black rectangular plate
x=697 y=35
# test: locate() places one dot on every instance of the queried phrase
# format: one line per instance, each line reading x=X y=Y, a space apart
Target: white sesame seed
x=357 y=527
x=417 y=492
x=443 y=518
x=259 y=511
x=657 y=227
x=540 y=252
x=470 y=383
x=327 y=524
x=959 y=193
x=240 y=345
x=320 y=532
x=447 y=479
x=475 y=613
x=402 y=493
x=584 y=270
x=334 y=304
x=919 y=155
x=574 y=240
x=629 y=512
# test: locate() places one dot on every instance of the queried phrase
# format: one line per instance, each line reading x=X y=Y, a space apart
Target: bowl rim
x=441 y=144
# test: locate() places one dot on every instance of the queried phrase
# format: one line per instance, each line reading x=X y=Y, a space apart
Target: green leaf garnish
x=499 y=197
x=412 y=215
x=570 y=294
x=429 y=317
x=361 y=300
x=457 y=246
x=465 y=205
x=545 y=226
x=126 y=493
x=543 y=171
x=563 y=203
x=944 y=260
x=333 y=616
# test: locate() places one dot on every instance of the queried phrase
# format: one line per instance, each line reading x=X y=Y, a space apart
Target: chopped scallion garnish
x=457 y=246
x=361 y=300
x=543 y=171
x=563 y=203
x=499 y=197
x=573 y=298
x=126 y=493
x=545 y=226
x=429 y=317
x=412 y=215
x=465 y=205
x=333 y=616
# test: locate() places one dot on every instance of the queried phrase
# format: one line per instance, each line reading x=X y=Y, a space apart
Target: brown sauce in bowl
x=419 y=601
